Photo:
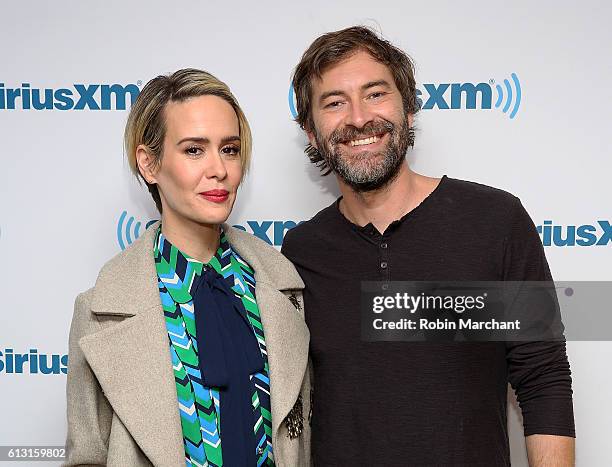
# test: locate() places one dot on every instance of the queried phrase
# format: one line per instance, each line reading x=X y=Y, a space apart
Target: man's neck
x=382 y=207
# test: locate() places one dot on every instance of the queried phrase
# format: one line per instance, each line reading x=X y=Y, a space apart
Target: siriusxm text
x=599 y=234
x=76 y=97
x=32 y=362
x=445 y=96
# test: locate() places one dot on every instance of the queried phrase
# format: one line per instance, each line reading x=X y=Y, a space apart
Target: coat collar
x=124 y=285
x=131 y=358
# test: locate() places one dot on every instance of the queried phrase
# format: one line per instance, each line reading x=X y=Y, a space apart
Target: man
x=398 y=403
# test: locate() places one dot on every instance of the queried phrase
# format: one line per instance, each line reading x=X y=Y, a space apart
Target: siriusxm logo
x=76 y=97
x=445 y=96
x=128 y=230
x=270 y=231
x=576 y=235
x=33 y=363
x=455 y=96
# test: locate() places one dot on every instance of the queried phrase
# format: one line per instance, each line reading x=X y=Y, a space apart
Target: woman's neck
x=198 y=241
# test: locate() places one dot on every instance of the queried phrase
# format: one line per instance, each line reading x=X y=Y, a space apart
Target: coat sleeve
x=88 y=411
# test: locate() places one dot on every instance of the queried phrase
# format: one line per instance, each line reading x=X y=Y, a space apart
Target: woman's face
x=200 y=170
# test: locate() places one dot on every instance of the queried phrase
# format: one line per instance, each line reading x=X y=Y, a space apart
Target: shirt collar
x=177 y=270
x=369 y=230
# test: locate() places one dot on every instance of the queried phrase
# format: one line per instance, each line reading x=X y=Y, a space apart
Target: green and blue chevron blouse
x=199 y=405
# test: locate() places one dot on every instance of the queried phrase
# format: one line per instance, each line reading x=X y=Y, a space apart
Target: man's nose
x=359 y=114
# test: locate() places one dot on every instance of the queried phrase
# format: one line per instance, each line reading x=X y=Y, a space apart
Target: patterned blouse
x=199 y=405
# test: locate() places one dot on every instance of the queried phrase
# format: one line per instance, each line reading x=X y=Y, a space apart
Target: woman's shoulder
x=132 y=258
x=109 y=272
x=269 y=263
x=83 y=321
x=125 y=281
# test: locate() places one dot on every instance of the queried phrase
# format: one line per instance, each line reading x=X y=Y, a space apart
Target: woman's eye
x=230 y=150
x=193 y=151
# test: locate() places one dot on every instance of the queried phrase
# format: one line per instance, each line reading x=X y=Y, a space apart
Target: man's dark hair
x=334 y=47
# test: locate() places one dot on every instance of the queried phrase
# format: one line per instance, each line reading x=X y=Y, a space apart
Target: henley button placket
x=384 y=259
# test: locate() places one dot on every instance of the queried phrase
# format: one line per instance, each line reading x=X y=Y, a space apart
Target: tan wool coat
x=122 y=400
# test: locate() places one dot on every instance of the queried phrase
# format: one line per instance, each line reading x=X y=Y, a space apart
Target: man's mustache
x=350 y=132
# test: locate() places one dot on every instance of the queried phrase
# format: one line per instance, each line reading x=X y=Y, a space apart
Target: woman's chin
x=218 y=216
x=200 y=213
x=216 y=219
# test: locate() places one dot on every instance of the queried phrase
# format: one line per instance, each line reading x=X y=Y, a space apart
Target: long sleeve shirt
x=425 y=403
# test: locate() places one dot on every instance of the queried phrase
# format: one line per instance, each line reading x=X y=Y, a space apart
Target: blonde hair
x=146 y=123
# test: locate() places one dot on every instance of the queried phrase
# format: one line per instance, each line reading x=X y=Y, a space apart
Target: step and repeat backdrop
x=514 y=95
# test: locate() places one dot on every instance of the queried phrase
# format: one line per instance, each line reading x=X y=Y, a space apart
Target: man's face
x=360 y=127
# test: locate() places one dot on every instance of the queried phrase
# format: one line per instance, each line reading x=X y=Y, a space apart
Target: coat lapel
x=131 y=359
x=286 y=333
x=287 y=340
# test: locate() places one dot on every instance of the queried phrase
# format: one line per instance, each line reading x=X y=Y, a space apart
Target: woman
x=189 y=348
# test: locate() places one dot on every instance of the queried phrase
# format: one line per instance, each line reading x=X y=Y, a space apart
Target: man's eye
x=376 y=95
x=333 y=104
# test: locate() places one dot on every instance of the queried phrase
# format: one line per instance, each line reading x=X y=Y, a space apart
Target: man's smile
x=370 y=142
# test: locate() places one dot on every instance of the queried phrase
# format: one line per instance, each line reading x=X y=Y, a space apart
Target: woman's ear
x=146 y=164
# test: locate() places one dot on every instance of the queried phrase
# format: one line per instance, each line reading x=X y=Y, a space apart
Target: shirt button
x=383 y=265
x=383 y=245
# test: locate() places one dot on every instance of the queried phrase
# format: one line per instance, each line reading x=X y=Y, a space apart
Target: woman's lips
x=216 y=196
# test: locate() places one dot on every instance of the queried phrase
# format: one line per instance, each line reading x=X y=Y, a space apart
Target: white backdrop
x=64 y=181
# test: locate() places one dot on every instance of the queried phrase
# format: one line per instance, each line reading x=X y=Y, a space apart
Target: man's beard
x=365 y=171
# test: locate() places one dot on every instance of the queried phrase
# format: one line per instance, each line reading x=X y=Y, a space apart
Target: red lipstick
x=216 y=196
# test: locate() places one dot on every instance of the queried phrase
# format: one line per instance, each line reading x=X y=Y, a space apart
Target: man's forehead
x=358 y=68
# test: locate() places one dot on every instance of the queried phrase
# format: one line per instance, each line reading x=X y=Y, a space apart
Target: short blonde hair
x=146 y=123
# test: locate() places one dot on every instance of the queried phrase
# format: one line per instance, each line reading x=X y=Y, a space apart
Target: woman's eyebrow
x=204 y=140
x=194 y=139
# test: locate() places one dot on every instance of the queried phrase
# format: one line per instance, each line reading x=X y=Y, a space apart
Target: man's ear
x=410 y=118
x=146 y=164
x=311 y=138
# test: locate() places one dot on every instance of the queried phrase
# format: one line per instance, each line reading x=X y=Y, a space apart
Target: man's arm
x=538 y=371
x=550 y=451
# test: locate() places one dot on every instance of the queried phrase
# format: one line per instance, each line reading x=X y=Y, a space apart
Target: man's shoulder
x=479 y=190
x=468 y=193
x=321 y=225
x=322 y=221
